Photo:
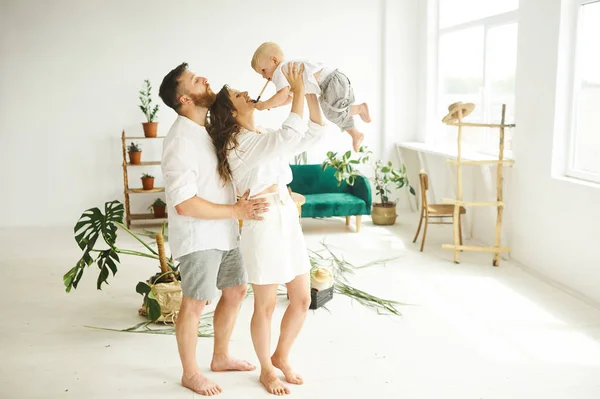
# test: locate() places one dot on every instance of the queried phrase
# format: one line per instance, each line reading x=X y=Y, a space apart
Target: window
x=584 y=150
x=477 y=57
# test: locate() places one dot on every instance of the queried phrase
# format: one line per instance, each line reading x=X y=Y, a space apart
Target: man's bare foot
x=201 y=385
x=273 y=384
x=290 y=375
x=357 y=141
x=364 y=113
x=226 y=363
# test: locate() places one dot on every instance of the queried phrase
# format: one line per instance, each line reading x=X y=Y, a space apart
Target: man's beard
x=204 y=100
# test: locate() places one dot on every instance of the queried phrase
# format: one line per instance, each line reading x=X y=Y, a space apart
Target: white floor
x=474 y=331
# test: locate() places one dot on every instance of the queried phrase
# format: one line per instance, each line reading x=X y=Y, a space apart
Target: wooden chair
x=436 y=211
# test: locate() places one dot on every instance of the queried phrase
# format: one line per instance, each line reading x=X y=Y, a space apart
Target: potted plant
x=150 y=127
x=135 y=153
x=384 y=211
x=158 y=208
x=147 y=181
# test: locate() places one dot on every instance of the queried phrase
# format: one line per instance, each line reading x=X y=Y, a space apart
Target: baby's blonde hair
x=267 y=49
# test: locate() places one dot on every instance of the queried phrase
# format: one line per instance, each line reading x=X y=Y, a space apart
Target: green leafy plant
x=146 y=102
x=134 y=147
x=343 y=164
x=147 y=176
x=385 y=176
x=92 y=225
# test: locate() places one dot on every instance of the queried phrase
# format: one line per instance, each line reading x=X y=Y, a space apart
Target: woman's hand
x=294 y=74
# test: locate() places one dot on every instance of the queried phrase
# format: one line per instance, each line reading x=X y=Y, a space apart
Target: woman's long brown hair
x=223 y=130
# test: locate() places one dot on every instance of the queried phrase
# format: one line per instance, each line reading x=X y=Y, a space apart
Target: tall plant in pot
x=150 y=126
x=384 y=177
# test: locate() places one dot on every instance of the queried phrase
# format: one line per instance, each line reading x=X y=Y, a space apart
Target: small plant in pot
x=150 y=127
x=135 y=153
x=147 y=181
x=158 y=208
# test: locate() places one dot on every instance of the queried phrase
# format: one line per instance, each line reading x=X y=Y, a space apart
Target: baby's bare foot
x=364 y=113
x=290 y=375
x=226 y=363
x=201 y=385
x=273 y=384
x=357 y=141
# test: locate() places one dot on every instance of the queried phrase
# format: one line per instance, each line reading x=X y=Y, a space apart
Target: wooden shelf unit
x=132 y=190
x=499 y=204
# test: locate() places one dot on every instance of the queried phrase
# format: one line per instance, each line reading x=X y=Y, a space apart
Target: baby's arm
x=288 y=101
x=277 y=100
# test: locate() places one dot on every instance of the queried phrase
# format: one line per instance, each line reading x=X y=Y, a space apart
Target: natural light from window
x=477 y=58
x=455 y=12
x=585 y=148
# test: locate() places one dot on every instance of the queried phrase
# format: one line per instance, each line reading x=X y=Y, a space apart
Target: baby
x=333 y=87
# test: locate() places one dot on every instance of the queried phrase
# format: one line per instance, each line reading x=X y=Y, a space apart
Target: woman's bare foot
x=364 y=113
x=290 y=375
x=226 y=363
x=273 y=384
x=201 y=385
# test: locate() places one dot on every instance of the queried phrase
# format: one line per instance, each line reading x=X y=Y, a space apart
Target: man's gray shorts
x=203 y=273
x=336 y=99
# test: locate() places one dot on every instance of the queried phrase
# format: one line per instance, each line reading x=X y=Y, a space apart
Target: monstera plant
x=96 y=236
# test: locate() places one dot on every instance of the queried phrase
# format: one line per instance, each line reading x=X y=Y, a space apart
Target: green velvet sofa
x=324 y=198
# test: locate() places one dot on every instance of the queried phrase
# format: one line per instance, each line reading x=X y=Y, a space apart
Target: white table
x=423 y=149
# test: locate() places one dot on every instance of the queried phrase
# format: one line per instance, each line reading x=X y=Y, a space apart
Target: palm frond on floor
x=325 y=257
x=205 y=327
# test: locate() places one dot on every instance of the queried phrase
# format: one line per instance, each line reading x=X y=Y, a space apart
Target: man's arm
x=244 y=209
x=180 y=175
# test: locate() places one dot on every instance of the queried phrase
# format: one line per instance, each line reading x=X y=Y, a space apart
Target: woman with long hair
x=273 y=249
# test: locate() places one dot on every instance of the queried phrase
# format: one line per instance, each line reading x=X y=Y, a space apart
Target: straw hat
x=453 y=109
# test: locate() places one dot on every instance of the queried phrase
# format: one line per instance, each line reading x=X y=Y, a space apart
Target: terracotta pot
x=159 y=211
x=384 y=214
x=150 y=129
x=135 y=158
x=148 y=183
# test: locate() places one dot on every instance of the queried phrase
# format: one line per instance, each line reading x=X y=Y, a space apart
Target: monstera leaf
x=88 y=229
x=153 y=311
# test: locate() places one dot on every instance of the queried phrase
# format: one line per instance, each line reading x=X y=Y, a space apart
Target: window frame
x=576 y=85
x=486 y=23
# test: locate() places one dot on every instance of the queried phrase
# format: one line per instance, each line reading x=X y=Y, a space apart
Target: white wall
x=556 y=223
x=71 y=70
x=400 y=83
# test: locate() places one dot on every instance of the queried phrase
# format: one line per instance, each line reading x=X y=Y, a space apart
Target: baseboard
x=556 y=284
